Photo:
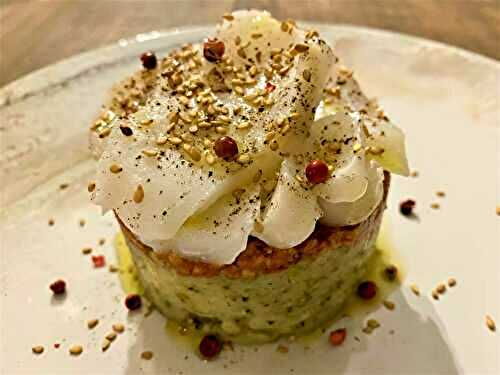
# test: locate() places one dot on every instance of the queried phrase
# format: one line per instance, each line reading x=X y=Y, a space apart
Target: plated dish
x=88 y=329
x=249 y=175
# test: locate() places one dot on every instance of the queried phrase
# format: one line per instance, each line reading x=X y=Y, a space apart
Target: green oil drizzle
x=189 y=337
x=126 y=268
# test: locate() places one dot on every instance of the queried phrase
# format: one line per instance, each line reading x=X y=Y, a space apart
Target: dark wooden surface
x=36 y=33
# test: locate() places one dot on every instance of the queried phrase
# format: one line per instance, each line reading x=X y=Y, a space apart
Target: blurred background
x=37 y=33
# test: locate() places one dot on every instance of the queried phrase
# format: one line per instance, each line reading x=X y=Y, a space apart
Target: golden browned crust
x=259 y=258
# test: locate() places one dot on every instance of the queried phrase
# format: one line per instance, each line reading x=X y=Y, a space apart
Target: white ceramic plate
x=447 y=101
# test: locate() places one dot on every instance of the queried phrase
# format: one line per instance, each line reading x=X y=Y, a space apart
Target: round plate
x=445 y=99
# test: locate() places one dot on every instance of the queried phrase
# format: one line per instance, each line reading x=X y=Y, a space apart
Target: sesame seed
x=221 y=130
x=239 y=90
x=92 y=323
x=300 y=48
x=146 y=122
x=282 y=349
x=415 y=289
x=258 y=227
x=241 y=53
x=224 y=118
x=150 y=153
x=253 y=70
x=209 y=157
x=243 y=125
x=389 y=305
x=243 y=159
x=76 y=350
x=435 y=295
x=435 y=206
x=161 y=140
x=274 y=145
x=228 y=16
x=147 y=355
x=186 y=137
x=138 y=194
x=284 y=70
x=311 y=34
x=256 y=35
x=414 y=173
x=372 y=323
x=452 y=282
x=356 y=147
x=113 y=268
x=86 y=250
x=105 y=345
x=115 y=168
x=175 y=140
x=118 y=327
x=498 y=210
x=111 y=336
x=441 y=288
x=285 y=129
x=37 y=349
x=284 y=26
x=440 y=193
x=490 y=323
x=104 y=133
x=91 y=187
x=375 y=150
x=194 y=153
x=185 y=117
x=193 y=129
x=251 y=96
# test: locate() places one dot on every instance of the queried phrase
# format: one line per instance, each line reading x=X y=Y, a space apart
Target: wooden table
x=37 y=33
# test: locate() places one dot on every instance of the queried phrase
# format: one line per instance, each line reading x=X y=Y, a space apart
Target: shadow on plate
x=411 y=340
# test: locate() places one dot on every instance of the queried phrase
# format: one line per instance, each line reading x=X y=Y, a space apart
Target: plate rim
x=39 y=79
